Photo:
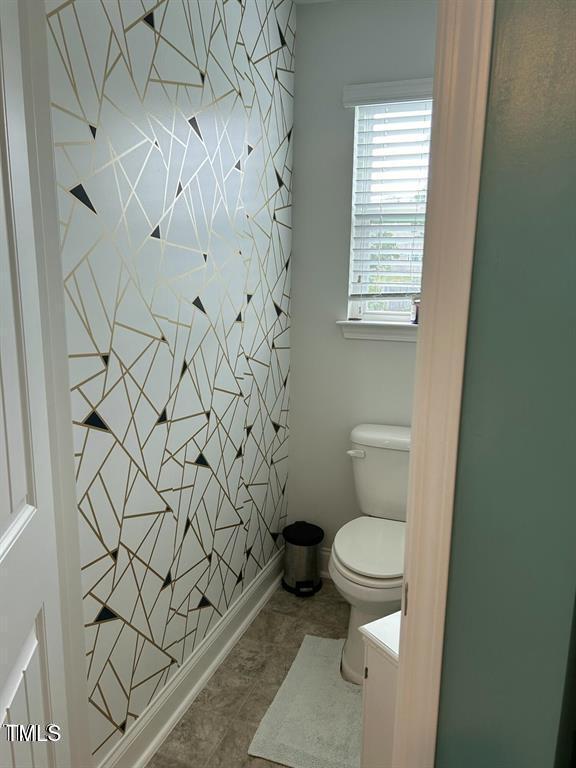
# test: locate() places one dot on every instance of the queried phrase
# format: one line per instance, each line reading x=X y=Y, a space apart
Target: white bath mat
x=315 y=721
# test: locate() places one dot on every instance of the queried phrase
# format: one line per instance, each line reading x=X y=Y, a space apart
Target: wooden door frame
x=463 y=52
x=38 y=128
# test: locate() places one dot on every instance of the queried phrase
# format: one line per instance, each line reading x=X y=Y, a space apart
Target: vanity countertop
x=384 y=632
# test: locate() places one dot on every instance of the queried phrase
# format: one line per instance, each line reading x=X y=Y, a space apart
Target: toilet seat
x=358 y=579
x=370 y=550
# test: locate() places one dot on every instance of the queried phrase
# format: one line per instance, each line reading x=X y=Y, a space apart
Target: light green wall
x=513 y=562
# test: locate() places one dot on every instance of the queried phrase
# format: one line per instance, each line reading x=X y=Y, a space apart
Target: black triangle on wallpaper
x=187 y=525
x=80 y=194
x=93 y=130
x=149 y=19
x=105 y=614
x=282 y=38
x=239 y=317
x=274 y=535
x=204 y=602
x=194 y=123
x=239 y=578
x=94 y=420
x=167 y=581
x=114 y=554
x=184 y=368
x=179 y=189
x=276 y=426
x=277 y=308
x=248 y=298
x=122 y=727
x=239 y=453
x=156 y=232
x=163 y=418
x=105 y=358
x=207 y=414
x=279 y=179
x=238 y=166
x=202 y=77
x=201 y=460
x=205 y=257
x=250 y=149
x=198 y=304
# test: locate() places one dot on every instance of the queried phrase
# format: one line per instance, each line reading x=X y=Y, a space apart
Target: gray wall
x=513 y=562
x=335 y=382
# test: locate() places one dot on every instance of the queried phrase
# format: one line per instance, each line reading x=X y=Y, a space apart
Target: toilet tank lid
x=382 y=436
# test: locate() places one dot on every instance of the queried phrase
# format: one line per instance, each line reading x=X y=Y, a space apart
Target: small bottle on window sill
x=355 y=310
x=415 y=311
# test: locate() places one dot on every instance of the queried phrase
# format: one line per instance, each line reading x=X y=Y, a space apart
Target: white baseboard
x=148 y=732
x=324 y=557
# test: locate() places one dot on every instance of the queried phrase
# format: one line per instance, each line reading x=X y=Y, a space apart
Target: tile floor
x=217 y=729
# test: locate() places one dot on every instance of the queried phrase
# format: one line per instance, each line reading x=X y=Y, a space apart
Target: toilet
x=367 y=557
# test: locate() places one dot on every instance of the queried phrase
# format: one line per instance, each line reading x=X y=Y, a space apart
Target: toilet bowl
x=367 y=557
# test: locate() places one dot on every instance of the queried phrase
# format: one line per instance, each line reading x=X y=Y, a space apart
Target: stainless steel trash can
x=302 y=558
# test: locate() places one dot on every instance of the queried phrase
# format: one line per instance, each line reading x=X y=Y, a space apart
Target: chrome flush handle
x=355 y=453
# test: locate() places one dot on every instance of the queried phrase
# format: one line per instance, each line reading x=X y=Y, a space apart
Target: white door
x=31 y=658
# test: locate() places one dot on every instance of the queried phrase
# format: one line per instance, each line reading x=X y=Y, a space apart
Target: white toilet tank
x=380 y=456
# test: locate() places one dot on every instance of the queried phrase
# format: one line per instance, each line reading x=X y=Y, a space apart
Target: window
x=391 y=155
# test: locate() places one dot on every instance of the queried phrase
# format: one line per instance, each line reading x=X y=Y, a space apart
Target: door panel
x=13 y=459
x=32 y=690
x=5 y=509
x=26 y=692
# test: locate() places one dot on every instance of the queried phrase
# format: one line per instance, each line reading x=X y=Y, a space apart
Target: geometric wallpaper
x=172 y=125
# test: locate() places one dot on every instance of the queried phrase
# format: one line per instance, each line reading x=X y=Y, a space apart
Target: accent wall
x=172 y=125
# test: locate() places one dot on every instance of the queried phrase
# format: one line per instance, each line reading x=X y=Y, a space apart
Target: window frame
x=368 y=94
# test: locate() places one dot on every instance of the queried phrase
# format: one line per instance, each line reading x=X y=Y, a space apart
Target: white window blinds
x=391 y=153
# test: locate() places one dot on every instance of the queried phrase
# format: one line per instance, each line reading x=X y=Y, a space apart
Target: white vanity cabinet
x=381 y=643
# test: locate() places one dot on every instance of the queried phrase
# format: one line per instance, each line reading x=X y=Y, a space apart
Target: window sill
x=378 y=331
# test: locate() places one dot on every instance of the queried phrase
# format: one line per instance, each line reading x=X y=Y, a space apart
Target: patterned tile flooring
x=217 y=729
